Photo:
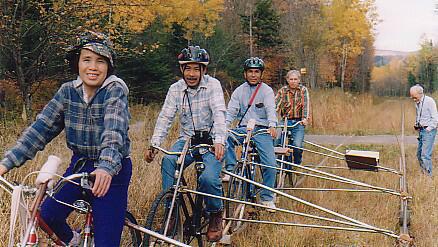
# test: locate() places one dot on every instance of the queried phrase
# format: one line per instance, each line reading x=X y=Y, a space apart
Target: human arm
x=306 y=107
x=233 y=107
x=49 y=123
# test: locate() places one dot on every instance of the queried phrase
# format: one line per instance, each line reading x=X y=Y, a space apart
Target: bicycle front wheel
x=157 y=217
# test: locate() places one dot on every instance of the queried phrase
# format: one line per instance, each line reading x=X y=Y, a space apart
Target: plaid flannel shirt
x=97 y=130
x=293 y=103
x=207 y=109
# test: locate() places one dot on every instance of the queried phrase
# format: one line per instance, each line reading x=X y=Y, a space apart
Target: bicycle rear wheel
x=156 y=220
x=130 y=236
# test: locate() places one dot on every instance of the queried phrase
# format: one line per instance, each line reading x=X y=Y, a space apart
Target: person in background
x=426 y=120
x=293 y=102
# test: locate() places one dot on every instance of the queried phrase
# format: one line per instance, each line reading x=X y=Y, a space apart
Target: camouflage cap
x=96 y=42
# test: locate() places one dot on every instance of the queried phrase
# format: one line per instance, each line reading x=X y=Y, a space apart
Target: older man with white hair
x=426 y=121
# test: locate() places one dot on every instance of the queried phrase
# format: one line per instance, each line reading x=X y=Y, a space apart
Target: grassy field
x=334 y=113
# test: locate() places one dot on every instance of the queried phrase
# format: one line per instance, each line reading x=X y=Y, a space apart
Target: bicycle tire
x=157 y=217
x=130 y=236
x=238 y=190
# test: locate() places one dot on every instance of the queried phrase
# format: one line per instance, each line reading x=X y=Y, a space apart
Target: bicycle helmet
x=254 y=63
x=193 y=54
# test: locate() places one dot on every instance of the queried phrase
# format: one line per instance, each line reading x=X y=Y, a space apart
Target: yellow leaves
x=136 y=15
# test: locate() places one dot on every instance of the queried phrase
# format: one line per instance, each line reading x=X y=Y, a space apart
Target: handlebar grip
x=48 y=170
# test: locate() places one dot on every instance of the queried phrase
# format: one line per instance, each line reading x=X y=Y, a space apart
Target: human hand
x=273 y=132
x=219 y=151
x=102 y=182
x=150 y=154
x=3 y=170
x=304 y=122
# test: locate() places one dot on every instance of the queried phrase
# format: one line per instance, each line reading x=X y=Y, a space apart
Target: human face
x=192 y=73
x=93 y=69
x=253 y=76
x=415 y=96
x=293 y=80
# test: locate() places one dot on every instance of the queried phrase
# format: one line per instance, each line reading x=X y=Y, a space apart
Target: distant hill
x=387 y=53
x=383 y=57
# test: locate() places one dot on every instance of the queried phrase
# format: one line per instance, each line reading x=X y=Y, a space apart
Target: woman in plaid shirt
x=292 y=102
x=93 y=112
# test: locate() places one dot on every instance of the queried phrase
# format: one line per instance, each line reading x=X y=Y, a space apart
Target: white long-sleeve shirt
x=427 y=114
x=262 y=108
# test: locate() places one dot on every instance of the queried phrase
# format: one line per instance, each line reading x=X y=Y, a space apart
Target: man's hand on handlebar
x=304 y=122
x=219 y=151
x=273 y=132
x=150 y=154
x=102 y=182
x=3 y=170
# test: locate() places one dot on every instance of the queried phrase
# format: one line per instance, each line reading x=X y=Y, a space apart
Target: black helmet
x=254 y=63
x=194 y=54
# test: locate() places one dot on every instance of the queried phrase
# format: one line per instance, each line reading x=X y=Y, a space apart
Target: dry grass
x=335 y=114
x=350 y=114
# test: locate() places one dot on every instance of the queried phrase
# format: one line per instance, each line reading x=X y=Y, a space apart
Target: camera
x=201 y=137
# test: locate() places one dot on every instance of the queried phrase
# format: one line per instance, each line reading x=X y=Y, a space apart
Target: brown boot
x=214 y=232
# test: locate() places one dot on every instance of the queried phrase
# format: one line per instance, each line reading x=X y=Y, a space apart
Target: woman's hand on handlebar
x=102 y=182
x=150 y=154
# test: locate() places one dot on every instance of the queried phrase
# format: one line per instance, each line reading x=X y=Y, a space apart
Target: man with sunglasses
x=198 y=99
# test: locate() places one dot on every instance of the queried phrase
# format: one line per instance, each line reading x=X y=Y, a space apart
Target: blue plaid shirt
x=97 y=130
x=207 y=110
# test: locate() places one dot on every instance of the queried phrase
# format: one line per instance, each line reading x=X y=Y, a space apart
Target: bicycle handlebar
x=179 y=152
x=258 y=132
x=291 y=126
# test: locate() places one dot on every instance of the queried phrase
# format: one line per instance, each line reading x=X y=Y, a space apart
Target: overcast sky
x=403 y=22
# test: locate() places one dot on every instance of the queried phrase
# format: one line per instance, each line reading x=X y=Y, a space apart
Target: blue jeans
x=209 y=181
x=426 y=141
x=265 y=148
x=108 y=211
x=296 y=138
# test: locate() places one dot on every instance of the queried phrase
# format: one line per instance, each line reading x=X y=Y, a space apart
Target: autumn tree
x=349 y=23
x=30 y=43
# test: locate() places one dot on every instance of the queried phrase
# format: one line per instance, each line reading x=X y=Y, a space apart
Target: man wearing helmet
x=254 y=100
x=198 y=99
x=93 y=112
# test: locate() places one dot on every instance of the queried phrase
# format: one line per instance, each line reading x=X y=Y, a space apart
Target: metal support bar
x=286 y=211
x=312 y=226
x=325 y=148
x=301 y=201
x=334 y=178
x=155 y=234
x=358 y=183
x=336 y=190
x=343 y=158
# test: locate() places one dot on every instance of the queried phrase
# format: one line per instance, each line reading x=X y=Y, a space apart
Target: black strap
x=186 y=94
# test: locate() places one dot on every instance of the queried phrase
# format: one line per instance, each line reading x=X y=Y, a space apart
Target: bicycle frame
x=196 y=202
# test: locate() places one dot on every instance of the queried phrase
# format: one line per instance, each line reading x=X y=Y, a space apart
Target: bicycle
x=241 y=190
x=284 y=143
x=178 y=213
x=33 y=220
